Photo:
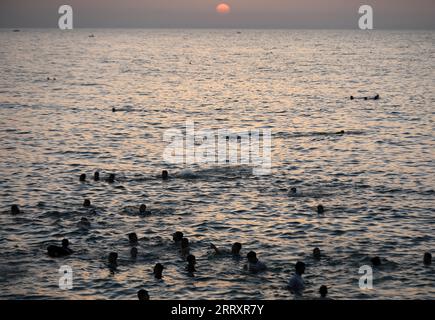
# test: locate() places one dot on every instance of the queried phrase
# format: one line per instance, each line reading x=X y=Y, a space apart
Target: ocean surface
x=376 y=181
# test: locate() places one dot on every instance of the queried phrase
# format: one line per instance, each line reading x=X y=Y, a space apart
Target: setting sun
x=223 y=8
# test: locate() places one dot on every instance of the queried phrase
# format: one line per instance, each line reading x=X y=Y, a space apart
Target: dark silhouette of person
x=113 y=260
x=165 y=175
x=111 y=178
x=83 y=177
x=158 y=270
x=133 y=252
x=296 y=284
x=316 y=253
x=143 y=295
x=87 y=203
x=376 y=261
x=323 y=291
x=320 y=209
x=56 y=251
x=96 y=176
x=427 y=259
x=15 y=209
x=177 y=236
x=132 y=237
x=191 y=262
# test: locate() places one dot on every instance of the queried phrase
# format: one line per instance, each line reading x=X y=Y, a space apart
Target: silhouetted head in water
x=132 y=237
x=376 y=261
x=300 y=268
x=143 y=295
x=191 y=260
x=323 y=291
x=55 y=251
x=87 y=203
x=252 y=257
x=113 y=258
x=111 y=178
x=83 y=177
x=365 y=98
x=351 y=97
x=316 y=253
x=96 y=176
x=165 y=175
x=158 y=270
x=293 y=190
x=177 y=236
x=184 y=243
x=376 y=97
x=113 y=109
x=133 y=252
x=236 y=247
x=427 y=259
x=142 y=208
x=320 y=209
x=340 y=132
x=15 y=209
x=84 y=222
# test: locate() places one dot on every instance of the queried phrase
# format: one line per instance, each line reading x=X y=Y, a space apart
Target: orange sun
x=223 y=8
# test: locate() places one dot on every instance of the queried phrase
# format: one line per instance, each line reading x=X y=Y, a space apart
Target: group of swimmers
x=296 y=284
x=376 y=97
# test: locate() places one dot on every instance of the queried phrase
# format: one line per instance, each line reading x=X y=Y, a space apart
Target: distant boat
x=16 y=30
x=91 y=36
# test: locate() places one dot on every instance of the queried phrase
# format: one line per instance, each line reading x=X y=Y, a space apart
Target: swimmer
x=376 y=97
x=111 y=178
x=320 y=209
x=143 y=295
x=113 y=109
x=82 y=177
x=87 y=203
x=351 y=98
x=340 y=132
x=427 y=259
x=254 y=265
x=15 y=209
x=143 y=209
x=296 y=284
x=96 y=176
x=84 y=223
x=132 y=237
x=323 y=291
x=235 y=249
x=293 y=190
x=177 y=237
x=133 y=252
x=158 y=270
x=376 y=261
x=316 y=253
x=165 y=175
x=56 y=251
x=185 y=250
x=191 y=260
x=113 y=260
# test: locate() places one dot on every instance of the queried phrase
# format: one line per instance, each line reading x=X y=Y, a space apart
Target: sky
x=299 y=14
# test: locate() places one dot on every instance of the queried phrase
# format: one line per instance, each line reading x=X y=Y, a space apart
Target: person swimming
x=340 y=132
x=254 y=265
x=113 y=109
x=323 y=291
x=320 y=209
x=376 y=261
x=86 y=203
x=82 y=177
x=235 y=249
x=191 y=262
x=376 y=97
x=177 y=237
x=158 y=270
x=111 y=178
x=185 y=250
x=316 y=253
x=96 y=176
x=165 y=175
x=143 y=209
x=113 y=260
x=84 y=223
x=15 y=209
x=293 y=190
x=427 y=258
x=56 y=251
x=132 y=238
x=143 y=295
x=296 y=284
x=133 y=252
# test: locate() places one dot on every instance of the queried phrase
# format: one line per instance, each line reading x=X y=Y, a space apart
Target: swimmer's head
x=236 y=247
x=113 y=109
x=65 y=243
x=96 y=176
x=111 y=178
x=132 y=237
x=142 y=208
x=316 y=253
x=133 y=252
x=376 y=261
x=83 y=177
x=300 y=267
x=427 y=259
x=323 y=291
x=320 y=209
x=158 y=270
x=184 y=243
x=113 y=257
x=87 y=203
x=293 y=190
x=365 y=98
x=143 y=295
x=165 y=175
x=252 y=257
x=351 y=97
x=177 y=236
x=15 y=209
